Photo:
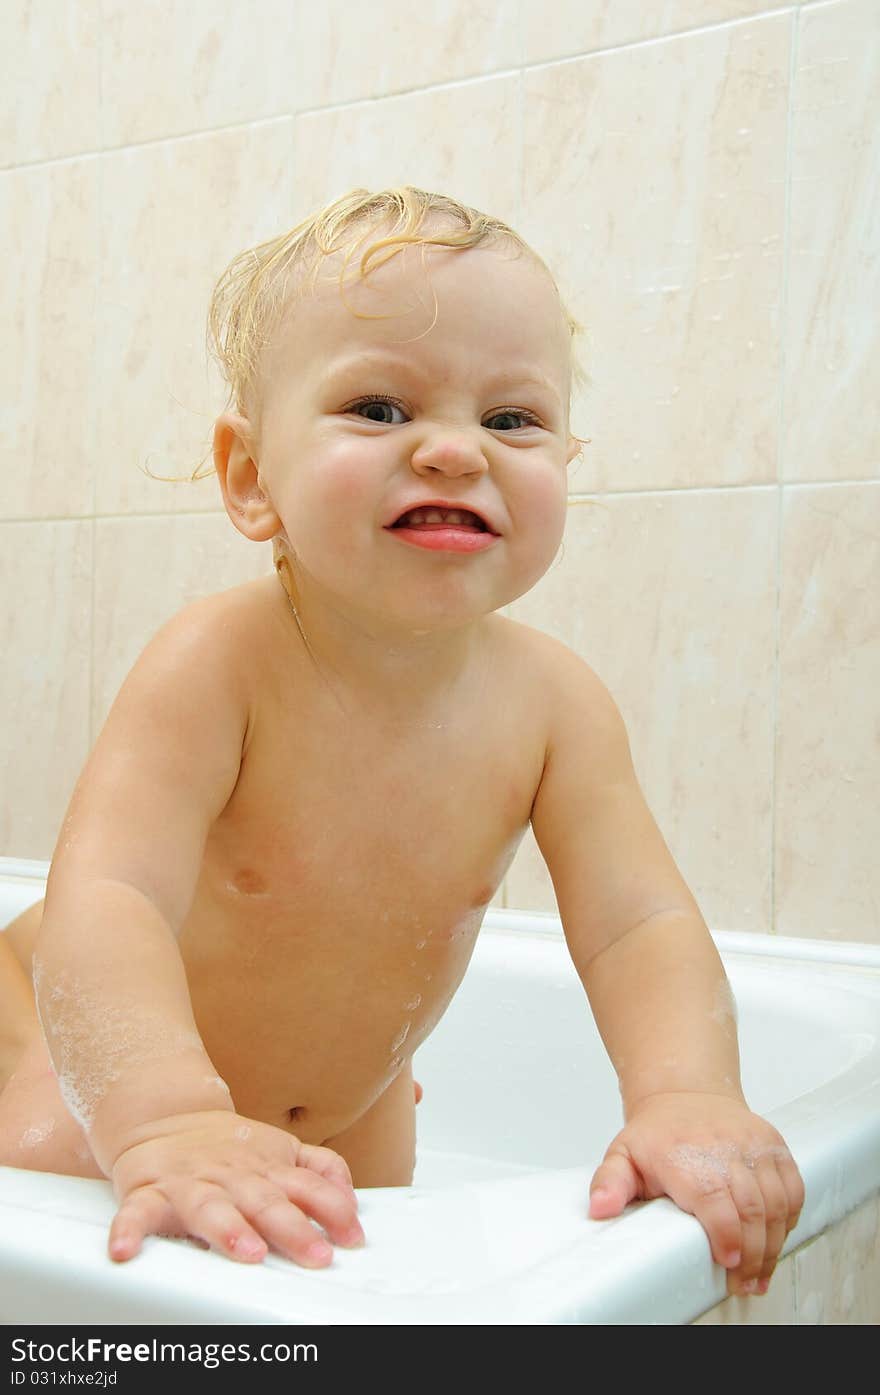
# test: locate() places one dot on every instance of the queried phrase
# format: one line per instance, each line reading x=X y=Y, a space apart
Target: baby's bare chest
x=341 y=894
x=360 y=817
x=347 y=843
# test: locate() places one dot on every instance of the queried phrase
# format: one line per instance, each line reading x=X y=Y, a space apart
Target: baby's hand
x=717 y=1161
x=237 y=1185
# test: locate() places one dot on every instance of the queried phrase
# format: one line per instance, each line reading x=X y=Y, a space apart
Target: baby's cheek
x=539 y=519
x=348 y=485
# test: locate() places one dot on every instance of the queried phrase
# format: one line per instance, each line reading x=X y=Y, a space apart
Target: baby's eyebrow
x=516 y=375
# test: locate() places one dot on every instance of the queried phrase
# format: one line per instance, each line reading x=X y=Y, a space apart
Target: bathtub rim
x=835 y=1188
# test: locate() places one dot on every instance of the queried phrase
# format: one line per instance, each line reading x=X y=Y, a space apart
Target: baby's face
x=365 y=418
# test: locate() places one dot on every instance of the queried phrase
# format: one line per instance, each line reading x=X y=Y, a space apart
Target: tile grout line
x=504 y=889
x=693 y=491
x=518 y=68
x=90 y=733
x=780 y=482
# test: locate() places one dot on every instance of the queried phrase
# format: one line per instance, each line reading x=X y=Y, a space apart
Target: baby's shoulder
x=230 y=621
x=536 y=652
x=565 y=681
x=209 y=641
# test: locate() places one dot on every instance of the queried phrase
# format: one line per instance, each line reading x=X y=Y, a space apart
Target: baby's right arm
x=111 y=987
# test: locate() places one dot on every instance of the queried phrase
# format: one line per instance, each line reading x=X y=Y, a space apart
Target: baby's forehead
x=497 y=285
x=366 y=269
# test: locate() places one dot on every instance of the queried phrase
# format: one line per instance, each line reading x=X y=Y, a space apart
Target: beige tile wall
x=701 y=175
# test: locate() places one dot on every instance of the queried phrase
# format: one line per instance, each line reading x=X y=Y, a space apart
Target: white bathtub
x=520 y=1104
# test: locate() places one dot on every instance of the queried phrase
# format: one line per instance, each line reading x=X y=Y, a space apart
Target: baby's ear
x=241 y=484
x=575 y=448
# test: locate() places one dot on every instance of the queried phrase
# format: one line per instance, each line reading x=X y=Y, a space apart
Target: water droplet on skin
x=401 y=1037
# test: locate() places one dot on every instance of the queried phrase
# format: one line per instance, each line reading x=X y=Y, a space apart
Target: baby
x=274 y=865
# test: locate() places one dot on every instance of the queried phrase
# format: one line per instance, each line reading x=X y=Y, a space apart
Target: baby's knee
x=21 y=935
x=18 y=1014
x=37 y=1131
x=45 y=1143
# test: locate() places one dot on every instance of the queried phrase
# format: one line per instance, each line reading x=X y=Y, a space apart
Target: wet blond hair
x=254 y=291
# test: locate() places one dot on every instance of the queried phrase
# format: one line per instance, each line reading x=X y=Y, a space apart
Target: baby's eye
x=380 y=401
x=528 y=418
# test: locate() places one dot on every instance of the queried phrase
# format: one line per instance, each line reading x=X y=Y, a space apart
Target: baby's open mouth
x=438 y=518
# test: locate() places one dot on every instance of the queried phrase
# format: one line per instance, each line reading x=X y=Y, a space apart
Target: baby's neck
x=406 y=677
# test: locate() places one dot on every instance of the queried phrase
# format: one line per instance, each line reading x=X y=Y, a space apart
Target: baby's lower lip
x=444 y=537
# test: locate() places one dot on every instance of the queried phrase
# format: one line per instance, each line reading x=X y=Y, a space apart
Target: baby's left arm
x=659 y=995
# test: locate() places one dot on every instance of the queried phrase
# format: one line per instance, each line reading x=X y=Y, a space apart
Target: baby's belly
x=308 y=1038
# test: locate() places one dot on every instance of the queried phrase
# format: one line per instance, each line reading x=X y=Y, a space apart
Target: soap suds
x=755 y=1155
x=706 y=1165
x=37 y=1134
x=94 y=1042
x=724 y=1006
x=709 y=1165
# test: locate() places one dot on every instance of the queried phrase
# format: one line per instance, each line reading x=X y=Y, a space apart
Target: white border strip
x=853 y=953
x=20 y=867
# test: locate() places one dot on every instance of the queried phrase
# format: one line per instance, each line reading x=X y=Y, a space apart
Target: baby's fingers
x=733 y=1214
x=242 y=1218
x=783 y=1192
x=616 y=1182
x=254 y=1212
x=794 y=1186
x=719 y=1215
x=201 y=1210
x=145 y=1211
x=776 y=1211
x=325 y=1163
x=326 y=1202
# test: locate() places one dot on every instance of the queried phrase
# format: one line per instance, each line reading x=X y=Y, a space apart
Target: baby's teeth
x=437 y=516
